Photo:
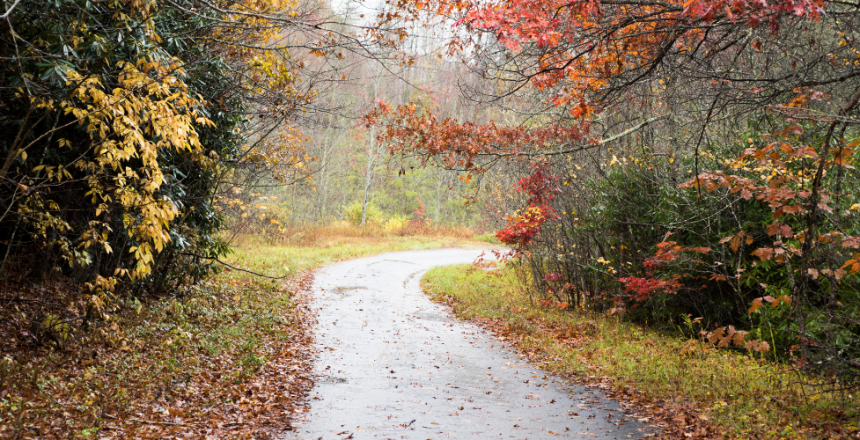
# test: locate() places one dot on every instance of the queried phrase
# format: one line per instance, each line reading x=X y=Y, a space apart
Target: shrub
x=727 y=247
x=374 y=216
x=396 y=224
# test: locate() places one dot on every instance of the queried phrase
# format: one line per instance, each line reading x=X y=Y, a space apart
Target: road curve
x=393 y=365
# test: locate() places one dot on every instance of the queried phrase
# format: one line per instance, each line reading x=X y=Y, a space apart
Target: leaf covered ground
x=228 y=358
x=686 y=388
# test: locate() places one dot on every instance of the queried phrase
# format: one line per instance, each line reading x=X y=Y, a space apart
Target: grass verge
x=689 y=389
x=286 y=257
x=229 y=358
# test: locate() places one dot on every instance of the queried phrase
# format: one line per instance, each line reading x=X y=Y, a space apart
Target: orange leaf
x=853 y=264
x=755 y=305
x=738 y=338
x=735 y=244
x=716 y=335
x=763 y=254
x=782 y=299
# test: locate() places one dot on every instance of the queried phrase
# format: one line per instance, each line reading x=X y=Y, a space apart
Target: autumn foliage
x=126 y=147
x=523 y=227
x=658 y=118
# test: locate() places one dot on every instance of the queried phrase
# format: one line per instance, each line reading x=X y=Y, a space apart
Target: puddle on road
x=431 y=317
x=342 y=290
x=332 y=379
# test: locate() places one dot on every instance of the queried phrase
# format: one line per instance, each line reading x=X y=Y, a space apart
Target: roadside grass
x=319 y=247
x=723 y=393
x=228 y=358
x=489 y=238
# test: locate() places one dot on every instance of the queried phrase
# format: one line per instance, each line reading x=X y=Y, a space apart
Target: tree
x=770 y=87
x=132 y=120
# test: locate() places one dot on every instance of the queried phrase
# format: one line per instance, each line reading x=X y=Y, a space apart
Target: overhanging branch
x=583 y=147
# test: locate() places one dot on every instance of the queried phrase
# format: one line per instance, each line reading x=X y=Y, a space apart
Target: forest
x=173 y=172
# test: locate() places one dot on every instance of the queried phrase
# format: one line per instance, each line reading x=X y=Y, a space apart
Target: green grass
x=488 y=238
x=743 y=396
x=288 y=259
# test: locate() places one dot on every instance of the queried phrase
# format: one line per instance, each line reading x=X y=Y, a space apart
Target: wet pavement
x=393 y=365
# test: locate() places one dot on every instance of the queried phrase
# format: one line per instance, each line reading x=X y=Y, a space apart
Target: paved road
x=393 y=365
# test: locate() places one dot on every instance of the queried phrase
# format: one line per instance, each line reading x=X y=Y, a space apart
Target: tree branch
x=583 y=147
x=5 y=16
x=233 y=267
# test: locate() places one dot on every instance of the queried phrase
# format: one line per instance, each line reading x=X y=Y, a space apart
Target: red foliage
x=568 y=34
x=420 y=213
x=667 y=252
x=552 y=277
x=541 y=186
x=419 y=218
x=522 y=229
x=410 y=129
x=643 y=288
x=576 y=49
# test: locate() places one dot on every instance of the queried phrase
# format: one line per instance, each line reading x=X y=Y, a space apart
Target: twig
x=234 y=267
x=153 y=422
x=20 y=300
x=9 y=11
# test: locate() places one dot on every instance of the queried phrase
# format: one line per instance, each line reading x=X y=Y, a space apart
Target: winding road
x=393 y=365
